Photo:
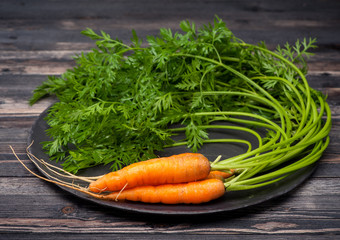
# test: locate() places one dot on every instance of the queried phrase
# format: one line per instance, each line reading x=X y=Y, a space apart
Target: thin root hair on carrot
x=51 y=168
x=56 y=181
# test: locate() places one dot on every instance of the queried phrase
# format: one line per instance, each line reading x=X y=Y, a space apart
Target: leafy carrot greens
x=115 y=106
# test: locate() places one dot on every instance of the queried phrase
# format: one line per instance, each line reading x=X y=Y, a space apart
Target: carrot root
x=220 y=175
x=186 y=167
x=181 y=193
x=194 y=192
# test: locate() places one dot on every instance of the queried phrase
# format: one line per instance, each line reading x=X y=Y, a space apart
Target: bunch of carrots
x=185 y=178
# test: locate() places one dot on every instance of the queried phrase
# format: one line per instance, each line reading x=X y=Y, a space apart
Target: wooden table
x=38 y=38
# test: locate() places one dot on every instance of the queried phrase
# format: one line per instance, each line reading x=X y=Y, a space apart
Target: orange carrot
x=186 y=167
x=194 y=192
x=220 y=175
x=188 y=193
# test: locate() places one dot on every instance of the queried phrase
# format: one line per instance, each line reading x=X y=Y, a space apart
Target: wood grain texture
x=39 y=38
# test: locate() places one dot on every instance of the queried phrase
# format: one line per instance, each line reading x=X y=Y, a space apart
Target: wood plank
x=53 y=210
x=242 y=20
x=6 y=155
x=146 y=235
x=13 y=135
x=78 y=217
x=90 y=10
x=60 y=27
x=68 y=40
x=42 y=67
x=17 y=122
x=64 y=55
x=61 y=206
x=15 y=107
x=95 y=227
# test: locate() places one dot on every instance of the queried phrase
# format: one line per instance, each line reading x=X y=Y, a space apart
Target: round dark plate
x=230 y=201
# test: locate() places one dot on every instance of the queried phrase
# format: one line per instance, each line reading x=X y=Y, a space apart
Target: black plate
x=230 y=201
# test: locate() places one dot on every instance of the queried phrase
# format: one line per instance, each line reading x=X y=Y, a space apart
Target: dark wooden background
x=39 y=38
